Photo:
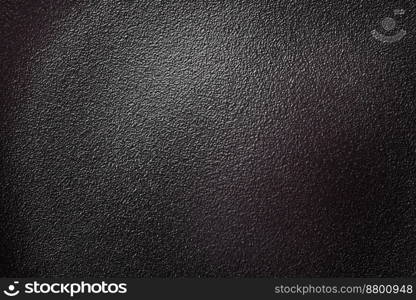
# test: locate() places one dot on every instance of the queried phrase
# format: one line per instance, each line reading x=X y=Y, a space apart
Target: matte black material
x=172 y=138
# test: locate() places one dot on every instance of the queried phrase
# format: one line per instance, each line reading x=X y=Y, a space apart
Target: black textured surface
x=191 y=139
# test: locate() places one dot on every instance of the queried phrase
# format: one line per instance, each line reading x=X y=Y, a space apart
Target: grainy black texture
x=172 y=138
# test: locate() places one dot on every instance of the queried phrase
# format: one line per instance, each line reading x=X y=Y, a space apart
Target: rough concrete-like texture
x=181 y=138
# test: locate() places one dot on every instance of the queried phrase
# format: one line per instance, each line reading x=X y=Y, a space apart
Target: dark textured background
x=181 y=138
